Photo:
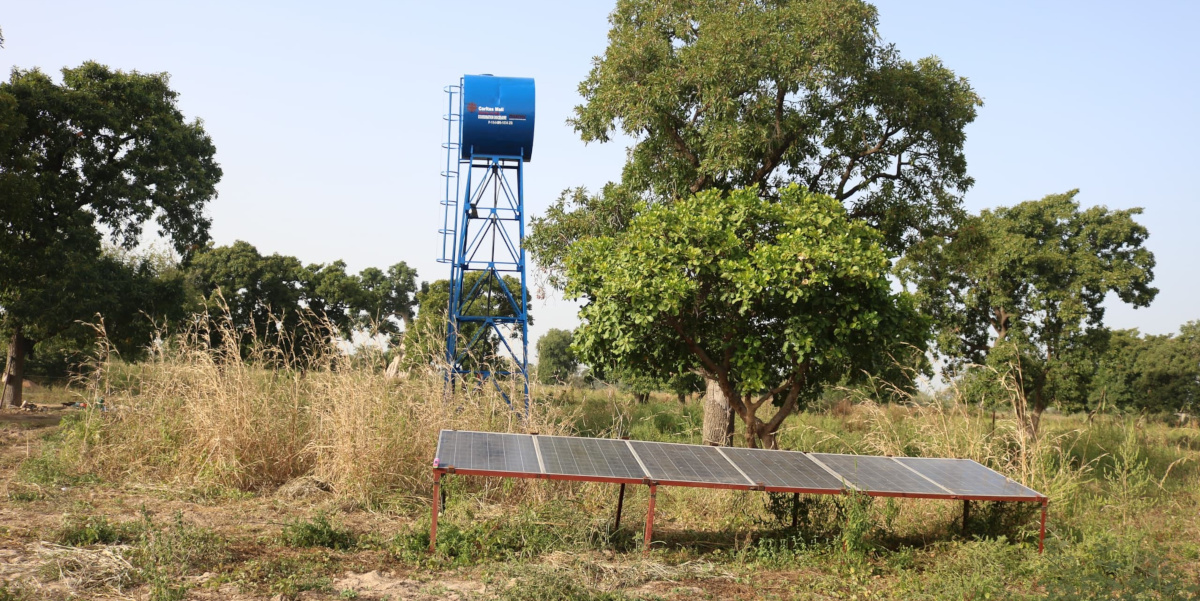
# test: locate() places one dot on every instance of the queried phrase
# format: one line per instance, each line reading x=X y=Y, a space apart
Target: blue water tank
x=497 y=116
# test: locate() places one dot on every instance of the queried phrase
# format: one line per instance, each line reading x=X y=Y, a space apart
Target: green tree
x=1157 y=374
x=1021 y=289
x=301 y=307
x=262 y=294
x=133 y=297
x=772 y=300
x=425 y=341
x=684 y=384
x=104 y=150
x=724 y=94
x=556 y=361
x=387 y=297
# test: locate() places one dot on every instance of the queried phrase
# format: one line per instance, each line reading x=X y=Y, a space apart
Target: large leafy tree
x=1021 y=289
x=387 y=300
x=771 y=299
x=1151 y=373
x=105 y=150
x=556 y=360
x=298 y=307
x=724 y=94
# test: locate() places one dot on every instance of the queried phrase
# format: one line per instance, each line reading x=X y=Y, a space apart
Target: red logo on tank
x=471 y=107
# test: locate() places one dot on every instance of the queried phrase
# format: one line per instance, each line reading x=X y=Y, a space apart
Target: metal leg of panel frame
x=437 y=485
x=1042 y=532
x=966 y=515
x=620 y=505
x=795 y=509
x=650 y=519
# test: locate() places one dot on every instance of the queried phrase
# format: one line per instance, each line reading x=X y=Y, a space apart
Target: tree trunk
x=718 y=415
x=14 y=371
x=682 y=396
x=642 y=397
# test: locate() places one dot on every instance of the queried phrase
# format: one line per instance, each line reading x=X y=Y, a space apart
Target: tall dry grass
x=203 y=411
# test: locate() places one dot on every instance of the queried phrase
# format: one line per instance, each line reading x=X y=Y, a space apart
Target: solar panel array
x=603 y=459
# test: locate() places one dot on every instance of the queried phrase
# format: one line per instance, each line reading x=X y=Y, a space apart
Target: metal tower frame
x=483 y=241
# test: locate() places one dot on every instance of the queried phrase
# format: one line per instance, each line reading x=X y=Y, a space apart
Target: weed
x=166 y=555
x=286 y=576
x=81 y=531
x=15 y=591
x=553 y=585
x=318 y=532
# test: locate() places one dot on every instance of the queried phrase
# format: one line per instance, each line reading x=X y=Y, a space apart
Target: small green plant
x=318 y=532
x=166 y=555
x=15 y=591
x=856 y=508
x=286 y=576
x=81 y=531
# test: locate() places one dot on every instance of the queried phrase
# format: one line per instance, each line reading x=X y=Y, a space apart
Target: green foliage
x=81 y=531
x=15 y=591
x=1156 y=374
x=318 y=532
x=464 y=540
x=556 y=361
x=721 y=95
x=297 y=307
x=103 y=150
x=753 y=292
x=166 y=555
x=482 y=295
x=1021 y=289
x=286 y=576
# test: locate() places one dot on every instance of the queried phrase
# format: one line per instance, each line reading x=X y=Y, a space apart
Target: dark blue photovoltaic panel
x=878 y=474
x=968 y=478
x=687 y=463
x=488 y=451
x=601 y=457
x=787 y=469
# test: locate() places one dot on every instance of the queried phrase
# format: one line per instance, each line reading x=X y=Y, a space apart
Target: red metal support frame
x=1042 y=533
x=437 y=483
x=650 y=519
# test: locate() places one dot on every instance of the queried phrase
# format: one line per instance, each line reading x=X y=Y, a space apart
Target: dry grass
x=199 y=414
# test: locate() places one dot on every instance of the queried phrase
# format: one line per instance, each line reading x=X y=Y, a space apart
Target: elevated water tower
x=489 y=138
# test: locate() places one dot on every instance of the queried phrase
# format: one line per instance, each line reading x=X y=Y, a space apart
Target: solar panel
x=687 y=463
x=968 y=478
x=487 y=451
x=785 y=469
x=878 y=474
x=601 y=457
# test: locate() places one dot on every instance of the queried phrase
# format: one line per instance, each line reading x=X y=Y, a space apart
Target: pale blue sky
x=327 y=116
